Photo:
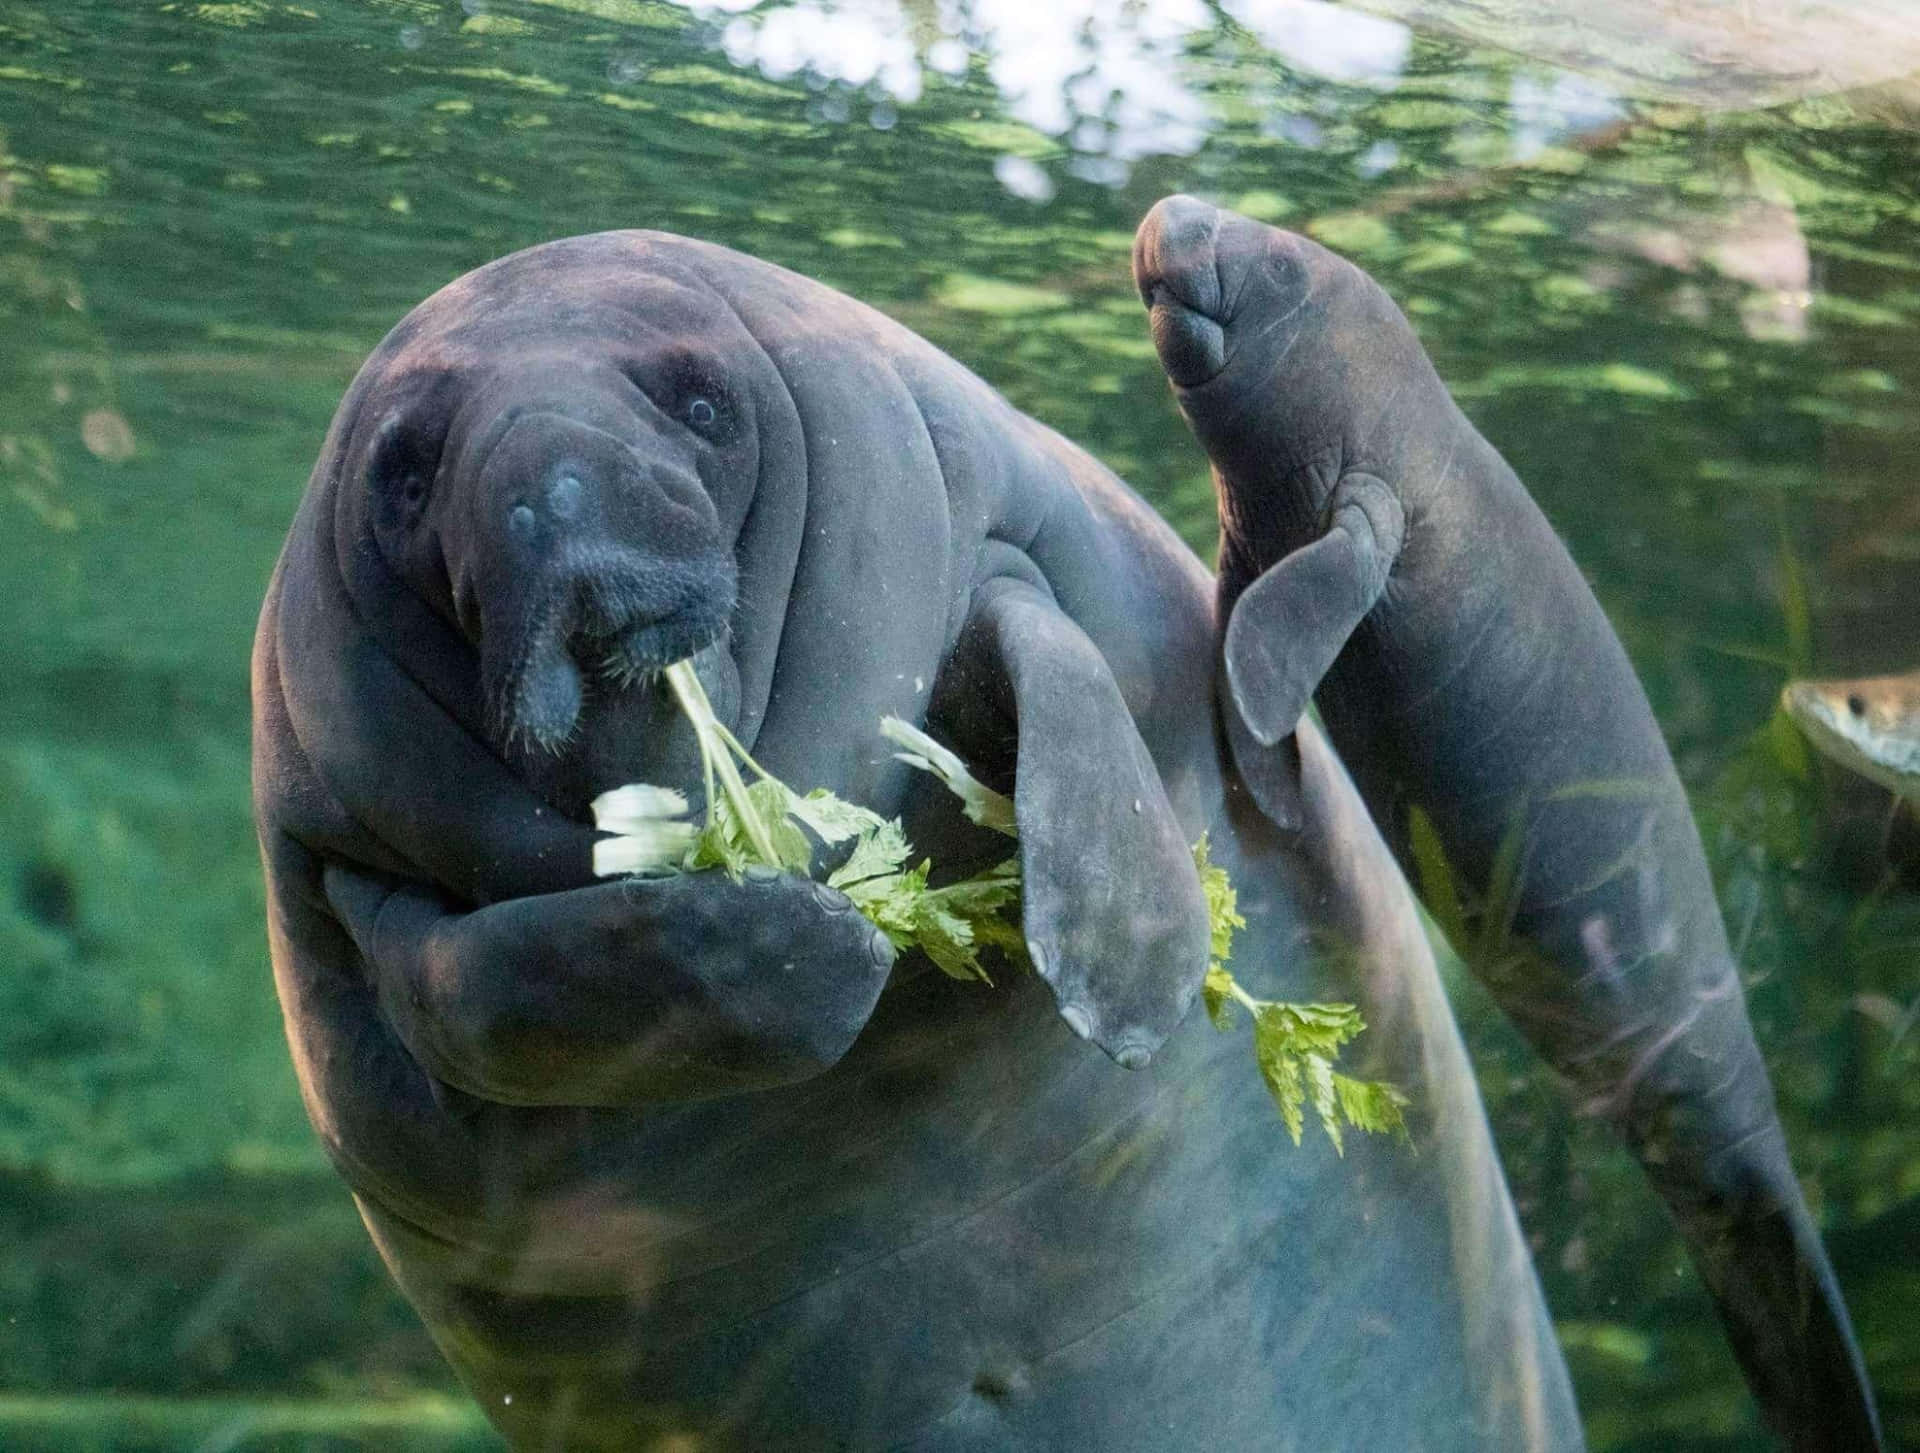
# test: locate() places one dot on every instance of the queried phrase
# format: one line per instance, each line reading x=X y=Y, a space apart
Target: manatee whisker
x=542 y=664
x=624 y=671
x=522 y=737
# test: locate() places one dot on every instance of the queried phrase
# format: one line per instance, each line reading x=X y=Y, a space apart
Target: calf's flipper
x=1288 y=627
x=1272 y=774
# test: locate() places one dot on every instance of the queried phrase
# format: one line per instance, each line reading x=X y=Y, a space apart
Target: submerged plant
x=766 y=823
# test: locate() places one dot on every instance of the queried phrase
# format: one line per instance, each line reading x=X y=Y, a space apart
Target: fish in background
x=1869 y=725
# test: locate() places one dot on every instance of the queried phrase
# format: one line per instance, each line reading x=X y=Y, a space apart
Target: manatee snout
x=1196 y=267
x=1176 y=268
x=587 y=559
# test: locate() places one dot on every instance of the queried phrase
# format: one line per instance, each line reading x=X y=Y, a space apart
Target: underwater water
x=1685 y=305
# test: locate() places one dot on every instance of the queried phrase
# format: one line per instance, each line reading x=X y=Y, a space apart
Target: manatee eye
x=1856 y=705
x=708 y=410
x=400 y=467
x=690 y=387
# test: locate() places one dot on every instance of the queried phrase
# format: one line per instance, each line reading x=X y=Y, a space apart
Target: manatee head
x=1290 y=363
x=1222 y=291
x=555 y=454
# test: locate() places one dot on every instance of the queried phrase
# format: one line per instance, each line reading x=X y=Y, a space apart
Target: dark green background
x=210 y=212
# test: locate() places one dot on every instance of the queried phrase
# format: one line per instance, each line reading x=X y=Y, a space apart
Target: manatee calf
x=659 y=1161
x=1379 y=556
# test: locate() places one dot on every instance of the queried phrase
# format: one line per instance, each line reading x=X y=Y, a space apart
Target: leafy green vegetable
x=980 y=802
x=1295 y=1045
x=830 y=819
x=1223 y=918
x=762 y=824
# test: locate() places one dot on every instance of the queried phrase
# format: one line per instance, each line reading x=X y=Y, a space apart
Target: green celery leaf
x=1315 y=1028
x=1007 y=938
x=1216 y=992
x=890 y=900
x=947 y=939
x=718 y=846
x=1223 y=904
x=1280 y=1068
x=1320 y=1088
x=1373 y=1106
x=877 y=851
x=832 y=819
x=983 y=894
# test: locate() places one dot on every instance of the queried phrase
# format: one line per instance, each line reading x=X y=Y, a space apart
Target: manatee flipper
x=621 y=994
x=1287 y=627
x=1114 y=915
x=1271 y=775
x=377 y=1115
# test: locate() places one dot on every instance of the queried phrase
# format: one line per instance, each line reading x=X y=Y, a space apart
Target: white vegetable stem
x=650 y=834
x=982 y=804
x=1252 y=1005
x=637 y=807
x=692 y=697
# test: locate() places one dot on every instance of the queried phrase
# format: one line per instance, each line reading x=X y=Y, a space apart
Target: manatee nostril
x=1175 y=257
x=521 y=521
x=564 y=497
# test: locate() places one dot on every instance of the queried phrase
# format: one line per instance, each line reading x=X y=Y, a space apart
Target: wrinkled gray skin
x=1379 y=556
x=659 y=1160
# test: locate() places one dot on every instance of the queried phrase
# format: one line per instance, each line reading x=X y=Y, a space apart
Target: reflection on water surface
x=1678 y=285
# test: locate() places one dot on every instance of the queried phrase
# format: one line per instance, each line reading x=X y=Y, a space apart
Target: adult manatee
x=659 y=1162
x=1379 y=555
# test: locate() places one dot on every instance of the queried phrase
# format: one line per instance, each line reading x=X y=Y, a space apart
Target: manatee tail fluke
x=1697 y=1111
x=1761 y=1258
